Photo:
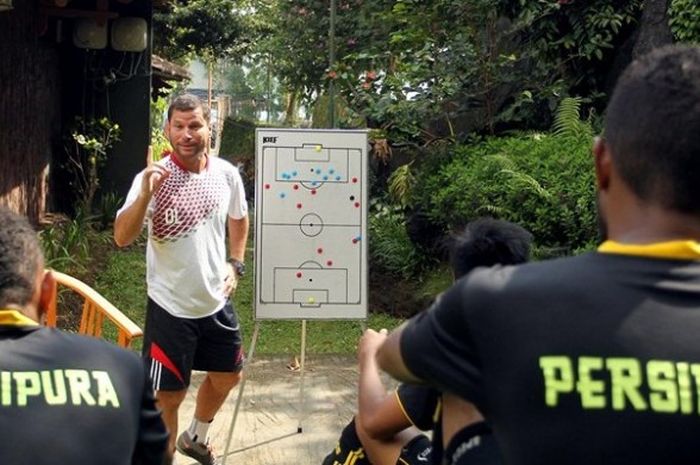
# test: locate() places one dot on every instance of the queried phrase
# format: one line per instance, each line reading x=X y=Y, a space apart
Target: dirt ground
x=265 y=432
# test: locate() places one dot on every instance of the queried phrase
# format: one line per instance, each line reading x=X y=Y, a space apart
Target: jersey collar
x=674 y=250
x=15 y=318
x=182 y=167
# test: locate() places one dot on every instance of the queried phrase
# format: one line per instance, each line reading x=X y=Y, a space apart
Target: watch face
x=239 y=267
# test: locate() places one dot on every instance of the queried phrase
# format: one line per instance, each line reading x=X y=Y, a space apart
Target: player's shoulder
x=222 y=164
x=533 y=275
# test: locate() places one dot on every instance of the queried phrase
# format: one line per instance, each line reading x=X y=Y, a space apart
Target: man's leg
x=168 y=347
x=213 y=392
x=220 y=354
x=349 y=448
x=169 y=403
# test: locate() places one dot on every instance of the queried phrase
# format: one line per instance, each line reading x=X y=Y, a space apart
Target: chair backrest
x=95 y=309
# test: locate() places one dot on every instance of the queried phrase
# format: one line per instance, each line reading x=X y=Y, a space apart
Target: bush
x=542 y=182
x=390 y=248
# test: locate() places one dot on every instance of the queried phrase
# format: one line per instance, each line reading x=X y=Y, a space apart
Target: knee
x=224 y=382
x=170 y=400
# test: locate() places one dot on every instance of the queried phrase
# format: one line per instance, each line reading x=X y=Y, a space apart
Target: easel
x=302 y=399
x=310 y=159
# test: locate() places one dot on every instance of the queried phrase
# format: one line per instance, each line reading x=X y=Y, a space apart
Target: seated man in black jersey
x=387 y=428
x=594 y=358
x=64 y=398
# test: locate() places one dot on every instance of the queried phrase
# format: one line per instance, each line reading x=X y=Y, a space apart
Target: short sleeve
x=437 y=347
x=238 y=206
x=419 y=404
x=133 y=194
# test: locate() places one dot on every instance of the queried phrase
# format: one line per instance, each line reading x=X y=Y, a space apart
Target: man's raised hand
x=153 y=177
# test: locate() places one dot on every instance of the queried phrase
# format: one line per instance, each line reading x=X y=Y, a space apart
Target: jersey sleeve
x=152 y=439
x=238 y=206
x=133 y=194
x=437 y=346
x=419 y=404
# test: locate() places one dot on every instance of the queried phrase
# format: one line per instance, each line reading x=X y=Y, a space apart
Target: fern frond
x=567 y=121
x=501 y=160
x=527 y=182
x=401 y=184
x=491 y=210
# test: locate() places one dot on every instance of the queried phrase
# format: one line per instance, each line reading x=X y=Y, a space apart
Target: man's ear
x=48 y=288
x=603 y=163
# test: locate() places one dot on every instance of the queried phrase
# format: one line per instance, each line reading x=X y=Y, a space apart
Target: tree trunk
x=291 y=109
x=654 y=30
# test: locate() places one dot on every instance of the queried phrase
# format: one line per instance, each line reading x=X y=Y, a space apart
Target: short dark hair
x=488 y=242
x=652 y=127
x=20 y=257
x=187 y=102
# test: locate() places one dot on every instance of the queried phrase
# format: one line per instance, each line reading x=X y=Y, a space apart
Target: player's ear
x=603 y=163
x=47 y=295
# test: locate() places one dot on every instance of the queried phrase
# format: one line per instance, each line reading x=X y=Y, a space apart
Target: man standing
x=189 y=199
x=592 y=359
x=64 y=398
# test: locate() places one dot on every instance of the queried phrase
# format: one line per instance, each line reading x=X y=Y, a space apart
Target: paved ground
x=271 y=411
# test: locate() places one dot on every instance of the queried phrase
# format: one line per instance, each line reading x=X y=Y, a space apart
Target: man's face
x=188 y=133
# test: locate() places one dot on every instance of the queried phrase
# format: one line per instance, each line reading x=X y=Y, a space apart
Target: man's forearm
x=390 y=360
x=237 y=237
x=371 y=389
x=129 y=224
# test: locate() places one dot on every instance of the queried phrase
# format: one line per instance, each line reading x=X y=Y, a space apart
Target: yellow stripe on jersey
x=403 y=409
x=675 y=250
x=15 y=318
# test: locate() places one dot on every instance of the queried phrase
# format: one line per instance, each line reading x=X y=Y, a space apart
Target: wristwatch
x=238 y=266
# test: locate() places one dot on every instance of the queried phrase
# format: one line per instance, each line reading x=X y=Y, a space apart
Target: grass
x=123 y=282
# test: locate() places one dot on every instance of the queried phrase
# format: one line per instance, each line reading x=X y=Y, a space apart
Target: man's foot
x=201 y=452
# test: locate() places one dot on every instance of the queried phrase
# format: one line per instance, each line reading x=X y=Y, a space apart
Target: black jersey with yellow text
x=70 y=399
x=591 y=359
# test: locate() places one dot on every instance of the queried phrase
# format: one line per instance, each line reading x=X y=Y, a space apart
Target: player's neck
x=652 y=224
x=194 y=164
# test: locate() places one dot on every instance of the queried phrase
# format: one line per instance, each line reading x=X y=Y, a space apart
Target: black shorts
x=416 y=451
x=173 y=346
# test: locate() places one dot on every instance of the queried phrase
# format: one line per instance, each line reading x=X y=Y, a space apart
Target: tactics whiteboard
x=311 y=224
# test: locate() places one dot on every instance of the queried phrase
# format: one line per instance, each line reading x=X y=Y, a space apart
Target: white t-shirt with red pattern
x=186 y=251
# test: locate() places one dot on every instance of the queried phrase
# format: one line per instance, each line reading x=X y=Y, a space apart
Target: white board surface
x=311 y=224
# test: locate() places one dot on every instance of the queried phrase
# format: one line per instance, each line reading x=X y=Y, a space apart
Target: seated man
x=64 y=398
x=387 y=428
x=593 y=359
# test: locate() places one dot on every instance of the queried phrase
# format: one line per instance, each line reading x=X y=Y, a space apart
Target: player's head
x=187 y=127
x=23 y=284
x=652 y=128
x=187 y=102
x=488 y=242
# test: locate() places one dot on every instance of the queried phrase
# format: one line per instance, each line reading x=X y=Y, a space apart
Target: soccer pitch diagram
x=311 y=224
